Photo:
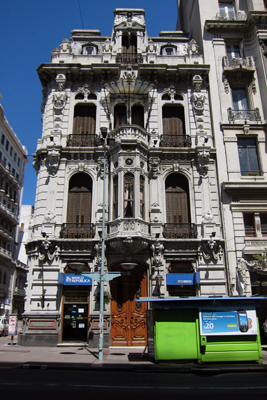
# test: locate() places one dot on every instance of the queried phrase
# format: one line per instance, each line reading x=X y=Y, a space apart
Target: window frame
x=246 y=156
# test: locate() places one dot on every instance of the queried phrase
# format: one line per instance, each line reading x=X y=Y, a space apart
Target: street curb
x=155 y=368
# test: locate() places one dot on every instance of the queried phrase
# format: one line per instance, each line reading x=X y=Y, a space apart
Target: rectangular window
x=263 y=218
x=249 y=225
x=239 y=97
x=18 y=162
x=227 y=9
x=15 y=157
x=7 y=145
x=233 y=51
x=248 y=157
x=11 y=151
x=3 y=139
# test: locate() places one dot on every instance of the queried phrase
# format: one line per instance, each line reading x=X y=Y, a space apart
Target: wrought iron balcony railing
x=129 y=58
x=19 y=292
x=243 y=115
x=77 y=231
x=81 y=140
x=180 y=231
x=175 y=141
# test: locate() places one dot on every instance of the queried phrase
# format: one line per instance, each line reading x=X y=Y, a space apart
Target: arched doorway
x=128 y=316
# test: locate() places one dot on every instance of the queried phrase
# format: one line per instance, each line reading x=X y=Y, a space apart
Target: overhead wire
x=81 y=13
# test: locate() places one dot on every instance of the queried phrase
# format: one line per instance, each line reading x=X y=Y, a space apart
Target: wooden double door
x=128 y=316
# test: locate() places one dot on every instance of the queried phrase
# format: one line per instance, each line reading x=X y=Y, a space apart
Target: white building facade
x=162 y=206
x=13 y=158
x=233 y=38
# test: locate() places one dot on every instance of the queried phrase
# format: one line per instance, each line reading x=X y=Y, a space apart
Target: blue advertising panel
x=72 y=279
x=182 y=279
x=228 y=322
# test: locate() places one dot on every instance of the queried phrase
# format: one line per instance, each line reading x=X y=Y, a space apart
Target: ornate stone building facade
x=233 y=39
x=162 y=207
x=13 y=158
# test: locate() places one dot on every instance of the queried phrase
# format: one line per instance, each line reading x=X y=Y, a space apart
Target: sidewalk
x=132 y=358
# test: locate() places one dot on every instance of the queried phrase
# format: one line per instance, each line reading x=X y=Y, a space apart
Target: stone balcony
x=130 y=58
x=126 y=227
x=130 y=133
x=244 y=115
x=237 y=63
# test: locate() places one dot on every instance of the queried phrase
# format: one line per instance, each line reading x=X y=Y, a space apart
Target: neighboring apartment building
x=162 y=213
x=13 y=158
x=233 y=36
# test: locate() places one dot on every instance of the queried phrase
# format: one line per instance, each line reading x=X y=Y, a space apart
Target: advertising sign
x=180 y=279
x=12 y=325
x=72 y=279
x=228 y=322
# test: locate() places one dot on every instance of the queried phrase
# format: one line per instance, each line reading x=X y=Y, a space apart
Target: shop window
x=84 y=120
x=248 y=157
x=128 y=195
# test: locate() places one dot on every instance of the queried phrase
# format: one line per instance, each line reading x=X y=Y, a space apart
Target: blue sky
x=30 y=30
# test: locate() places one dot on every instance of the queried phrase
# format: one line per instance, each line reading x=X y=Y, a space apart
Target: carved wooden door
x=128 y=316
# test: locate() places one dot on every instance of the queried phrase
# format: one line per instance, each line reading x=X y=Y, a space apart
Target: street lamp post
x=102 y=277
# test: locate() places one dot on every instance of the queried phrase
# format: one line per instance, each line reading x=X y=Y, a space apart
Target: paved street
x=55 y=384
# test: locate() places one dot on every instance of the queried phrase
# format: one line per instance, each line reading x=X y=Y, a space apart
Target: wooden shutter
x=138 y=115
x=79 y=199
x=177 y=208
x=84 y=120
x=173 y=120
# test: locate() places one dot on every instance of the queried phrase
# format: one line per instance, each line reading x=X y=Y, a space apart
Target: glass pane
x=253 y=159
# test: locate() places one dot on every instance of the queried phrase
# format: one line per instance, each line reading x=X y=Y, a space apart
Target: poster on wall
x=233 y=322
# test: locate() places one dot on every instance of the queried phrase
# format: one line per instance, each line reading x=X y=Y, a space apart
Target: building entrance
x=75 y=315
x=128 y=316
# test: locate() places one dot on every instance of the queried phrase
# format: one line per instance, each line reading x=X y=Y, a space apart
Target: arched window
x=128 y=195
x=173 y=126
x=138 y=115
x=177 y=206
x=79 y=199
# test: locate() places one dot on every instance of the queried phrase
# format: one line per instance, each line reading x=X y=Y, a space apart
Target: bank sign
x=232 y=322
x=73 y=279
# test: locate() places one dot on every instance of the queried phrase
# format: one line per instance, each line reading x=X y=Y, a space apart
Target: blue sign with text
x=72 y=279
